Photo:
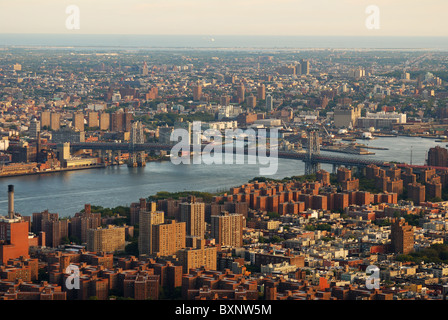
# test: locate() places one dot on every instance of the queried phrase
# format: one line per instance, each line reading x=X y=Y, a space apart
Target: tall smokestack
x=11 y=201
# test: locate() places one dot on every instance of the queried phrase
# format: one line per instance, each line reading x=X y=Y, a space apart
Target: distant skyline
x=227 y=17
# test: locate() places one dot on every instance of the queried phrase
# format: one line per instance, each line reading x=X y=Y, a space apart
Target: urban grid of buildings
x=301 y=238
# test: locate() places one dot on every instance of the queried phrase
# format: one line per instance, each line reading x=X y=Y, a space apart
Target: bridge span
x=352 y=161
x=317 y=158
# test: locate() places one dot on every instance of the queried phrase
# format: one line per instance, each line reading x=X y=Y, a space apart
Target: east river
x=66 y=193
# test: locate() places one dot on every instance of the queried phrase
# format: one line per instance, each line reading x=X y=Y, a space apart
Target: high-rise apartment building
x=168 y=238
x=121 y=121
x=55 y=229
x=110 y=239
x=434 y=189
x=438 y=157
x=78 y=121
x=55 y=121
x=417 y=193
x=197 y=92
x=45 y=119
x=241 y=93
x=146 y=222
x=116 y=121
x=269 y=103
x=323 y=177
x=251 y=101
x=343 y=174
x=305 y=66
x=402 y=237
x=141 y=206
x=193 y=213
x=127 y=121
x=92 y=119
x=34 y=128
x=83 y=221
x=104 y=121
x=227 y=229
x=261 y=92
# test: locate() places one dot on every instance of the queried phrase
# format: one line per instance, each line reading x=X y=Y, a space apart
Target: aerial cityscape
x=258 y=172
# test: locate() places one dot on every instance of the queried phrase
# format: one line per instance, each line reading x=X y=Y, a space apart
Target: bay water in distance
x=138 y=42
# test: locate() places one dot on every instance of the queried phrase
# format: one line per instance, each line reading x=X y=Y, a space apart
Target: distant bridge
x=352 y=161
x=317 y=158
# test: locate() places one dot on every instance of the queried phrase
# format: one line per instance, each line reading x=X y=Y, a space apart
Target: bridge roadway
x=338 y=161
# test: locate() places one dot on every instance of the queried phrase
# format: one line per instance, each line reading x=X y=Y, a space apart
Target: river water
x=67 y=192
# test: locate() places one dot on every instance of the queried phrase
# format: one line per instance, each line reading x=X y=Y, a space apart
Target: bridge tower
x=136 y=158
x=311 y=166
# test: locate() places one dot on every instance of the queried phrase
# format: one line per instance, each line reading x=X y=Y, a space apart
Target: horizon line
x=215 y=35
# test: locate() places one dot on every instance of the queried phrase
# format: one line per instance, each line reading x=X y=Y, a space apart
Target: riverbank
x=100 y=166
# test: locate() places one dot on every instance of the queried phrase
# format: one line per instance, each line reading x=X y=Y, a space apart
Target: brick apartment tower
x=146 y=222
x=197 y=92
x=168 y=238
x=416 y=192
x=323 y=177
x=227 y=229
x=54 y=229
x=438 y=157
x=83 y=221
x=402 y=237
x=108 y=239
x=193 y=213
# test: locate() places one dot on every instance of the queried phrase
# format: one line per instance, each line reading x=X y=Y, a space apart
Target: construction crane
x=330 y=137
x=285 y=126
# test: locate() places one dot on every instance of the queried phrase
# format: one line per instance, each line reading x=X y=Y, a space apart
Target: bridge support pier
x=335 y=168
x=110 y=159
x=137 y=159
x=311 y=167
x=132 y=161
x=118 y=157
x=102 y=155
x=141 y=159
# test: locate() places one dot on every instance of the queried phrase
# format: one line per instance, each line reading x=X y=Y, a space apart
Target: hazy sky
x=227 y=17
